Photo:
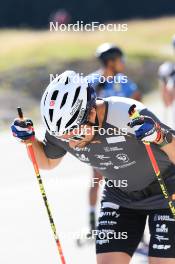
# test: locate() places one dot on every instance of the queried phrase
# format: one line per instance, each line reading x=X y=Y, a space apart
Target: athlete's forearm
x=42 y=160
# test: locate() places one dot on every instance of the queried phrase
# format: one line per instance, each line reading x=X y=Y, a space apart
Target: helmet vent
x=76 y=95
x=51 y=114
x=64 y=100
x=73 y=118
x=58 y=124
x=67 y=80
x=46 y=123
x=45 y=98
x=54 y=95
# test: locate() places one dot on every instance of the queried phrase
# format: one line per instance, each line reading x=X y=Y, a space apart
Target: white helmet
x=66 y=103
x=165 y=70
x=107 y=51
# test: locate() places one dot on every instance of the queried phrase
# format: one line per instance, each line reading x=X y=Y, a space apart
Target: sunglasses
x=73 y=138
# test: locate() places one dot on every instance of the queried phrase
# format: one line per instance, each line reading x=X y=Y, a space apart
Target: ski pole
x=133 y=113
x=43 y=193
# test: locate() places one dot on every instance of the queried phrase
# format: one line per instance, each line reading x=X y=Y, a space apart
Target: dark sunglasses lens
x=78 y=137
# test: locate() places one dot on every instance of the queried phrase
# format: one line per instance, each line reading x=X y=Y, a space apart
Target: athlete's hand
x=146 y=129
x=23 y=129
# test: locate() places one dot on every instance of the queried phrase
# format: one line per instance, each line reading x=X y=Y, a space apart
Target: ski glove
x=23 y=129
x=146 y=129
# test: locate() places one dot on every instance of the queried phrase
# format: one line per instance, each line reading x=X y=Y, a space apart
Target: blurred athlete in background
x=166 y=73
x=108 y=81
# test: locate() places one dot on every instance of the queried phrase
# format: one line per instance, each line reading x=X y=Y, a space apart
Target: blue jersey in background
x=119 y=85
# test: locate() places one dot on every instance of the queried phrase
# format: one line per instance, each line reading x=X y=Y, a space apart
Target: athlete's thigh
x=113 y=258
x=153 y=260
x=162 y=240
x=118 y=230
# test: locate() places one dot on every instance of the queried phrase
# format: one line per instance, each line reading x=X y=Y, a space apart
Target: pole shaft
x=43 y=193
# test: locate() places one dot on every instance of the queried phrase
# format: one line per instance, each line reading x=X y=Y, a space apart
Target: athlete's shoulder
x=128 y=85
x=52 y=147
x=123 y=103
x=117 y=112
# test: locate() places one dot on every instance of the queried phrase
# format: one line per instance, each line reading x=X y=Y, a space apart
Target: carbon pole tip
x=20 y=113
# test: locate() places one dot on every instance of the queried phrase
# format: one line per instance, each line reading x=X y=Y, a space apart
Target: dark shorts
x=120 y=230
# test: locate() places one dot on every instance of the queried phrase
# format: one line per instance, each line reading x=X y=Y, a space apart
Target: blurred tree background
x=29 y=52
x=28 y=13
